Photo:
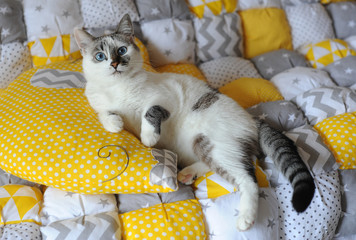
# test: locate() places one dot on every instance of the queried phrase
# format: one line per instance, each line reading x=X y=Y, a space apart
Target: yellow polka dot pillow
x=50 y=135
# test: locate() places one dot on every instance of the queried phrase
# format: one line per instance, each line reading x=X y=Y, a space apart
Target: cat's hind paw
x=187 y=176
x=245 y=221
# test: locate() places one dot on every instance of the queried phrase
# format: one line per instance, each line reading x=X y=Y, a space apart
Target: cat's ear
x=125 y=26
x=82 y=38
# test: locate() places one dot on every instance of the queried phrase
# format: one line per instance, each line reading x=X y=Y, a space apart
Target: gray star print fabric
x=12 y=27
x=344 y=18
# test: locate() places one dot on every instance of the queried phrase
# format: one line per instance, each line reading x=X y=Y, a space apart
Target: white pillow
x=169 y=41
x=45 y=19
x=221 y=216
x=298 y=80
x=106 y=13
x=310 y=23
x=222 y=71
x=14 y=59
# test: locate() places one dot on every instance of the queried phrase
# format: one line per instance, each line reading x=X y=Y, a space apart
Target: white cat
x=208 y=130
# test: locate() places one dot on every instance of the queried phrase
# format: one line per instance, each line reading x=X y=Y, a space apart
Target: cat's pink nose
x=114 y=64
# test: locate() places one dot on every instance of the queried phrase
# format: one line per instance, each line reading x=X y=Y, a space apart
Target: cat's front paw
x=187 y=176
x=245 y=221
x=112 y=123
x=149 y=139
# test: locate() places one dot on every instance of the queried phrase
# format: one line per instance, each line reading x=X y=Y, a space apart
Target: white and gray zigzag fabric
x=54 y=78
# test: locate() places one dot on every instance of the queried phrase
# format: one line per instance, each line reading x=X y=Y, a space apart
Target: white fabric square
x=106 y=13
x=249 y=4
x=218 y=36
x=298 y=80
x=310 y=23
x=169 y=41
x=321 y=218
x=224 y=70
x=45 y=19
x=14 y=59
x=221 y=216
x=351 y=41
x=60 y=205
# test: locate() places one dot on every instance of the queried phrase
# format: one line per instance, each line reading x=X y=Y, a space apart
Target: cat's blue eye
x=122 y=50
x=100 y=56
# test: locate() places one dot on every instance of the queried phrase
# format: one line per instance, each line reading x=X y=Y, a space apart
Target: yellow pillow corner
x=251 y=91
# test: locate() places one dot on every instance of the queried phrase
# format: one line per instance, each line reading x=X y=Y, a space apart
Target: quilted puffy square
x=64 y=145
x=45 y=19
x=101 y=14
x=322 y=215
x=251 y=91
x=104 y=225
x=298 y=80
x=282 y=115
x=169 y=41
x=177 y=220
x=325 y=52
x=309 y=23
x=19 y=204
x=339 y=134
x=274 y=62
x=54 y=49
x=218 y=36
x=320 y=103
x=248 y=4
x=275 y=33
x=297 y=2
x=344 y=18
x=342 y=71
x=14 y=59
x=11 y=22
x=208 y=8
x=221 y=216
x=222 y=71
x=23 y=231
x=60 y=205
x=162 y=9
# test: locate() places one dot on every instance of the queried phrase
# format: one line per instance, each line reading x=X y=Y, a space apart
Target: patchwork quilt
x=291 y=63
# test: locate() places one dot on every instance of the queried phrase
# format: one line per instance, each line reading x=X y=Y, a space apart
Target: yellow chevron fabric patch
x=20 y=203
x=183 y=68
x=54 y=49
x=323 y=53
x=203 y=8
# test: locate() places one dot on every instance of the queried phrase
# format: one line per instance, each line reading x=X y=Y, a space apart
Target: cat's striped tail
x=283 y=152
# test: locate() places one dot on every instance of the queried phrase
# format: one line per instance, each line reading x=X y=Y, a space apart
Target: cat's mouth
x=117 y=72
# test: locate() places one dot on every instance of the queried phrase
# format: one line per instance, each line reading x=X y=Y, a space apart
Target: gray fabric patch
x=162 y=9
x=281 y=115
x=318 y=104
x=12 y=27
x=53 y=78
x=132 y=202
x=85 y=227
x=164 y=173
x=23 y=231
x=347 y=223
x=344 y=18
x=272 y=63
x=343 y=71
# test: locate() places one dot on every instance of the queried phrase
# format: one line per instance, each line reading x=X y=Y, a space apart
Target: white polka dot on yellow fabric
x=183 y=68
x=53 y=137
x=178 y=220
x=339 y=134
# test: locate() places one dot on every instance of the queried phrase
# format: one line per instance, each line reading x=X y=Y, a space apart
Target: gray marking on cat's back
x=206 y=100
x=155 y=115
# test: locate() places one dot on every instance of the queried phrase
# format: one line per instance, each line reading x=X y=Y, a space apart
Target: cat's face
x=110 y=55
